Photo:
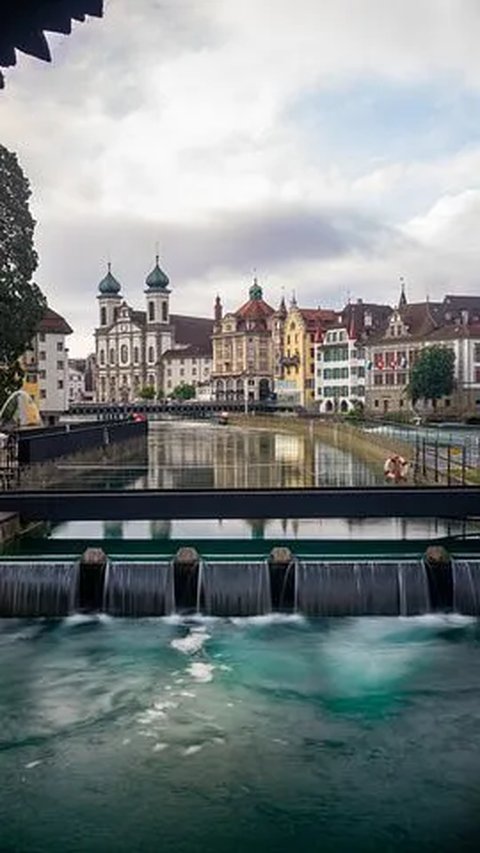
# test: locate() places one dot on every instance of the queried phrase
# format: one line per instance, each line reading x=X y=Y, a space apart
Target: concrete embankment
x=371 y=448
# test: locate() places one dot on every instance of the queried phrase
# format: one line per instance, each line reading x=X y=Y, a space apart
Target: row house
x=340 y=357
x=46 y=366
x=245 y=349
x=302 y=329
x=187 y=366
x=411 y=327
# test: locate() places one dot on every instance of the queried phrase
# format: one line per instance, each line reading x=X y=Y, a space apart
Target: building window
x=151 y=354
x=401 y=404
x=112 y=356
x=447 y=403
x=476 y=352
x=41 y=355
x=42 y=338
x=151 y=380
x=102 y=356
x=103 y=316
x=43 y=393
x=42 y=374
x=375 y=403
x=151 y=311
x=115 y=313
x=194 y=371
x=60 y=384
x=124 y=353
x=164 y=312
x=60 y=365
x=135 y=355
x=477 y=375
x=182 y=372
x=59 y=346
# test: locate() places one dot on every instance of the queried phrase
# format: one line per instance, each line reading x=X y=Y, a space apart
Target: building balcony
x=290 y=360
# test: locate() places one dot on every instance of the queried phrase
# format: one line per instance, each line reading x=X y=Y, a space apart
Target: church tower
x=159 y=332
x=109 y=299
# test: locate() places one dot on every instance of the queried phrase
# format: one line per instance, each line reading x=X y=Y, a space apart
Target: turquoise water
x=254 y=735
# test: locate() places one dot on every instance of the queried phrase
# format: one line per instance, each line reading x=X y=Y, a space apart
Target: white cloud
x=167 y=118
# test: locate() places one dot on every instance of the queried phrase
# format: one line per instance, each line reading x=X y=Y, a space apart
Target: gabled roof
x=317 y=317
x=53 y=323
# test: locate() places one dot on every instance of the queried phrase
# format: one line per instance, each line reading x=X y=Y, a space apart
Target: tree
x=147 y=393
x=183 y=392
x=22 y=303
x=431 y=376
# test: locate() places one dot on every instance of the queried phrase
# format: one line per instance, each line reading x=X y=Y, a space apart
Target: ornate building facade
x=302 y=328
x=245 y=344
x=130 y=344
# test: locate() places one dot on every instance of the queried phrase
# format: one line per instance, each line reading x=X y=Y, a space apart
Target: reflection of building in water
x=160 y=529
x=113 y=529
x=260 y=459
x=180 y=457
x=335 y=467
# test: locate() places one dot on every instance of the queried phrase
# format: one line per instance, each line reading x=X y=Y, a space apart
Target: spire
x=293 y=300
x=402 y=302
x=282 y=308
x=218 y=310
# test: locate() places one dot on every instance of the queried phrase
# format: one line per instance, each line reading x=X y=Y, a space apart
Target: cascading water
x=139 y=589
x=361 y=588
x=235 y=589
x=466 y=586
x=38 y=588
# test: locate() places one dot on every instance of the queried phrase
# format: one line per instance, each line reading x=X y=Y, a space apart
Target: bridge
x=371 y=502
x=195 y=409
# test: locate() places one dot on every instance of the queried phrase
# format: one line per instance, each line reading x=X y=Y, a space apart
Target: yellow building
x=303 y=327
x=243 y=349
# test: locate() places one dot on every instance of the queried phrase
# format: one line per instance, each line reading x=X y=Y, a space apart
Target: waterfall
x=361 y=588
x=235 y=589
x=139 y=589
x=414 y=591
x=38 y=588
x=466 y=586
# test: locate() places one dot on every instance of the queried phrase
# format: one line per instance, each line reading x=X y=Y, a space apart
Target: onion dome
x=109 y=286
x=255 y=291
x=157 y=279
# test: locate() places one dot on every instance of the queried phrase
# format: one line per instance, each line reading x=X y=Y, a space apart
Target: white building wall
x=52 y=372
x=190 y=370
x=339 y=381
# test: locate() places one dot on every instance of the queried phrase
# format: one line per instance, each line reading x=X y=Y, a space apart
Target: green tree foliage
x=183 y=392
x=431 y=376
x=147 y=393
x=22 y=303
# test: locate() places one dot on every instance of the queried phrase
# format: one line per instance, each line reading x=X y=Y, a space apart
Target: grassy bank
x=373 y=449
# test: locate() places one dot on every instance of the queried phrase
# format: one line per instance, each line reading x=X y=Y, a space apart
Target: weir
x=238 y=587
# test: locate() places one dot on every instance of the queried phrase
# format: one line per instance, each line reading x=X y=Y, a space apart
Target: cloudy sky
x=330 y=145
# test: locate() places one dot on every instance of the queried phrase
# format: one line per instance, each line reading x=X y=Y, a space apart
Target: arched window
x=102 y=356
x=135 y=355
x=103 y=316
x=112 y=356
x=124 y=353
x=151 y=311
x=151 y=354
x=164 y=312
x=151 y=380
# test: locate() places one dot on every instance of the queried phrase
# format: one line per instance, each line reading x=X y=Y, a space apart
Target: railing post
x=449 y=449
x=464 y=463
x=436 y=460
x=424 y=460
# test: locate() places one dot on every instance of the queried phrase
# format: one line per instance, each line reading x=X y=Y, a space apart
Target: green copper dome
x=109 y=286
x=255 y=291
x=157 y=278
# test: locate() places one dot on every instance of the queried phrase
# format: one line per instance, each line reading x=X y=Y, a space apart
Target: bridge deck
x=399 y=502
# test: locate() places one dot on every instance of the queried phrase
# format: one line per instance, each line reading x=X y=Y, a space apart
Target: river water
x=273 y=733
x=261 y=735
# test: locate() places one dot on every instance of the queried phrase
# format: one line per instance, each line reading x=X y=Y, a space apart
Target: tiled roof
x=195 y=331
x=54 y=323
x=188 y=352
x=255 y=309
x=315 y=317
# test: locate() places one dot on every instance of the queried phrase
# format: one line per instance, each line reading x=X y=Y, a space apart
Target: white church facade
x=130 y=344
